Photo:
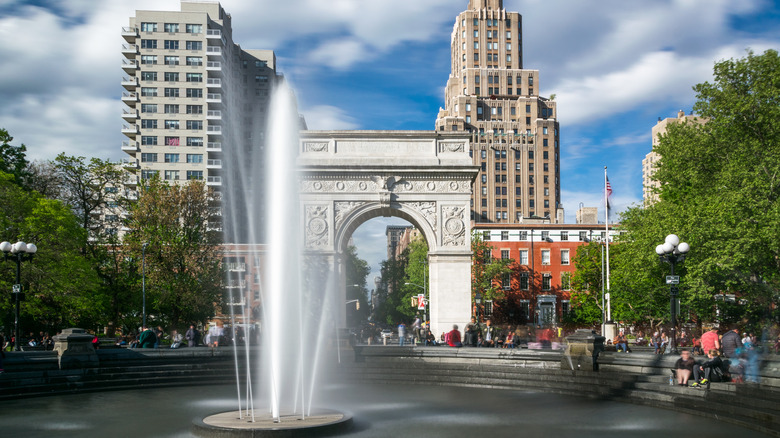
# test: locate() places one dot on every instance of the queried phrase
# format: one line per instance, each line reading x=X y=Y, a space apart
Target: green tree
x=393 y=274
x=415 y=273
x=586 y=284
x=720 y=183
x=183 y=256
x=13 y=159
x=487 y=272
x=357 y=271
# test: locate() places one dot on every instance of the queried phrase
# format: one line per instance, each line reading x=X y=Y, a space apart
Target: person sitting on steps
x=712 y=370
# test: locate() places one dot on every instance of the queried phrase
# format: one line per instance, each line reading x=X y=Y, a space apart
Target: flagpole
x=606 y=226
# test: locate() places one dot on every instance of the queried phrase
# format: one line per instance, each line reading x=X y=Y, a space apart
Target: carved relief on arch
x=342 y=209
x=315 y=146
x=426 y=209
x=454 y=226
x=316 y=228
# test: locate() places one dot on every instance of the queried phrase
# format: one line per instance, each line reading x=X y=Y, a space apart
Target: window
x=524 y=286
x=524 y=257
x=194 y=60
x=545 y=235
x=171 y=141
x=171 y=60
x=195 y=92
x=148 y=59
x=545 y=256
x=171 y=109
x=171 y=158
x=171 y=27
x=564 y=256
x=148 y=27
x=194 y=77
x=505 y=235
x=171 y=124
x=193 y=28
x=583 y=236
x=194 y=45
x=195 y=124
x=194 y=109
x=148 y=44
x=564 y=234
x=194 y=158
x=171 y=76
x=504 y=254
x=171 y=44
x=171 y=175
x=148 y=75
x=148 y=108
x=194 y=174
x=194 y=141
x=486 y=236
x=524 y=235
x=565 y=304
x=149 y=124
x=528 y=109
x=149 y=174
x=171 y=92
x=546 y=281
x=544 y=130
x=506 y=281
x=148 y=92
x=148 y=158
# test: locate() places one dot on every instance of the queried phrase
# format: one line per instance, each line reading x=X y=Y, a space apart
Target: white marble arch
x=424 y=177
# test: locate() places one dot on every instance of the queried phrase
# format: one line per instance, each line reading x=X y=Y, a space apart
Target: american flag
x=609 y=191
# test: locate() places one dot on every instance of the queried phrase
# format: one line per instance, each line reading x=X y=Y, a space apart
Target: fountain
x=297 y=310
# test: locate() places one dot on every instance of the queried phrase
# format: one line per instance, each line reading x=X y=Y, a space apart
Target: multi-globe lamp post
x=673 y=251
x=18 y=252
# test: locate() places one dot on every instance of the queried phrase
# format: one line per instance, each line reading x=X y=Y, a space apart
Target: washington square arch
x=424 y=177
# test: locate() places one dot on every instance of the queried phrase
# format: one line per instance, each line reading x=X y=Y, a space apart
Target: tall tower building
x=515 y=135
x=190 y=94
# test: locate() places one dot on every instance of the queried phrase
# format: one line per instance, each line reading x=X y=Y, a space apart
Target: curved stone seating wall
x=634 y=378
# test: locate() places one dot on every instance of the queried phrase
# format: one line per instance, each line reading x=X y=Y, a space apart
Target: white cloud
x=326 y=117
x=341 y=54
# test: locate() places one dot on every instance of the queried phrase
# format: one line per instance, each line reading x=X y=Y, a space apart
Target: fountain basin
x=228 y=424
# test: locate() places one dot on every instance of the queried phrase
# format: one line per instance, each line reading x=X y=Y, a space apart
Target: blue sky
x=615 y=67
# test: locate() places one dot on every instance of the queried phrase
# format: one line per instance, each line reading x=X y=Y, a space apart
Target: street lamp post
x=143 y=282
x=478 y=301
x=673 y=251
x=18 y=252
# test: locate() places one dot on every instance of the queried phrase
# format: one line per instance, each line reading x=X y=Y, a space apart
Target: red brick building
x=539 y=289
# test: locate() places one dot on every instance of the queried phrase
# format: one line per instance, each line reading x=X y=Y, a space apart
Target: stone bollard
x=582 y=351
x=75 y=350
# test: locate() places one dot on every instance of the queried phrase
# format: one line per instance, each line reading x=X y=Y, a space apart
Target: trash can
x=582 y=350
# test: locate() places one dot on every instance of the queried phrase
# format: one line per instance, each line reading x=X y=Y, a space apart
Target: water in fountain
x=261 y=206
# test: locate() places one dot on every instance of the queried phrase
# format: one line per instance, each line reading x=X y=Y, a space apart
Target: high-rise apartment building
x=190 y=94
x=515 y=131
x=649 y=184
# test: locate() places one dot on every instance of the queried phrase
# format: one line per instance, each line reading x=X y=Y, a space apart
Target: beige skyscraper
x=190 y=93
x=515 y=131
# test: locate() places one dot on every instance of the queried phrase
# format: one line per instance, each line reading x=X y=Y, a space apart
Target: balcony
x=235 y=267
x=129 y=83
x=214 y=34
x=131 y=147
x=129 y=34
x=130 y=130
x=131 y=180
x=214 y=66
x=214 y=130
x=213 y=147
x=214 y=83
x=129 y=115
x=214 y=51
x=213 y=98
x=214 y=181
x=213 y=164
x=129 y=163
x=129 y=65
x=129 y=50
x=235 y=284
x=130 y=98
x=213 y=115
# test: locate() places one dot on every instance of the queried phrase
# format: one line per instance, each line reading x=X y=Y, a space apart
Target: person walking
x=401 y=334
x=191 y=335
